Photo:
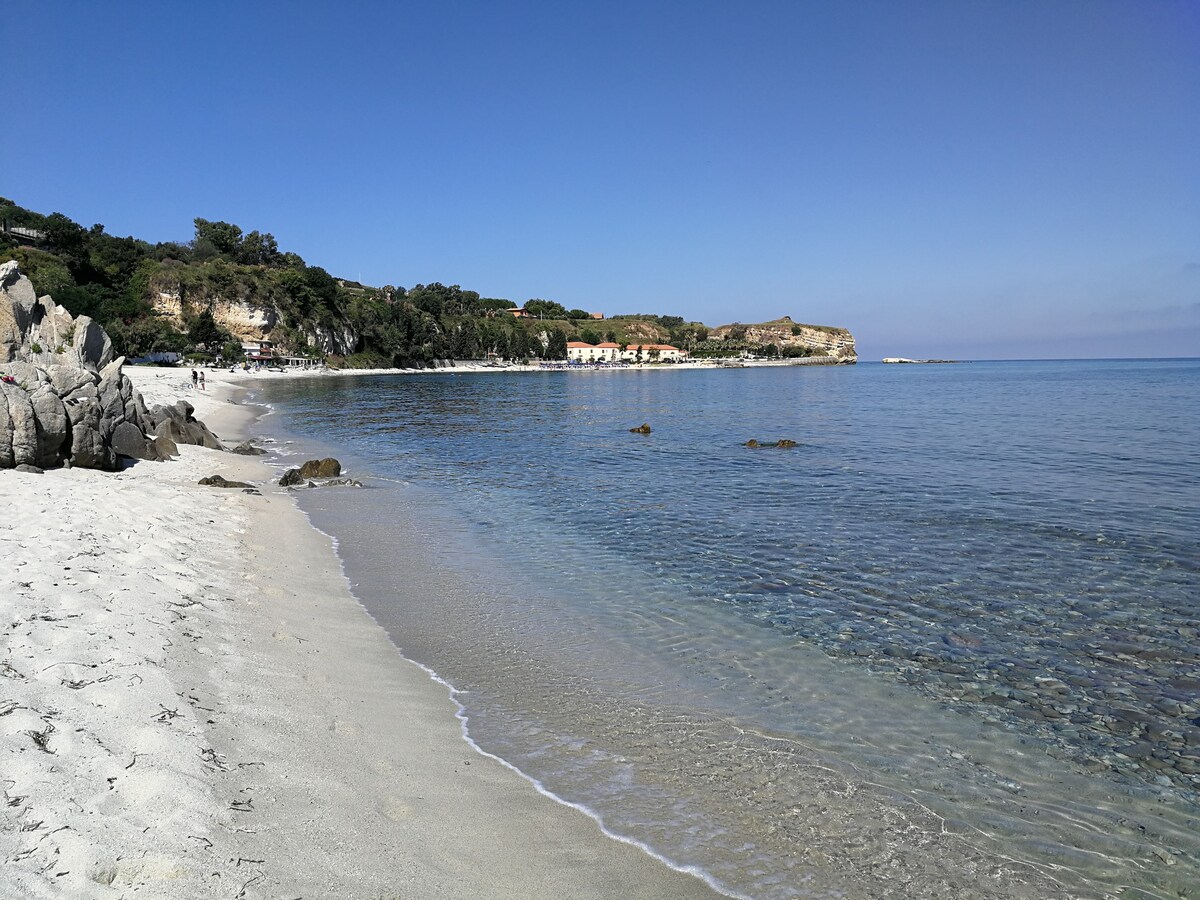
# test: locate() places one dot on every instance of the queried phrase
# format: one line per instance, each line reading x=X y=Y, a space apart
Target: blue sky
x=966 y=179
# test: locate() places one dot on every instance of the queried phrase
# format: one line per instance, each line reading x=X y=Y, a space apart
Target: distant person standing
x=201 y=381
x=195 y=378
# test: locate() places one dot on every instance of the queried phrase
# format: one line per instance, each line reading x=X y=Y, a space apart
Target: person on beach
x=195 y=378
x=201 y=381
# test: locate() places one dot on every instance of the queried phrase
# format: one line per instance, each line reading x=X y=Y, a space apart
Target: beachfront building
x=299 y=362
x=579 y=351
x=259 y=351
x=652 y=353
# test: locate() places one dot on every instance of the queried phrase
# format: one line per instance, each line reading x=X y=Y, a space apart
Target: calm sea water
x=944 y=647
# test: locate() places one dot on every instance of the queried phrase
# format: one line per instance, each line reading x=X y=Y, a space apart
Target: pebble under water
x=945 y=646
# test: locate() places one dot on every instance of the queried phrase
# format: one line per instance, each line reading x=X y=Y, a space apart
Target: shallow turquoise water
x=946 y=646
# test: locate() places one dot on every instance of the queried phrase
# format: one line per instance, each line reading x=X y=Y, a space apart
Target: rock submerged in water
x=782 y=444
x=246 y=448
x=317 y=468
x=644 y=428
x=291 y=478
x=321 y=468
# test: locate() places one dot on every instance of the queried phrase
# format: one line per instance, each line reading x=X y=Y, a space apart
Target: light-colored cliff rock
x=245 y=319
x=246 y=312
x=824 y=339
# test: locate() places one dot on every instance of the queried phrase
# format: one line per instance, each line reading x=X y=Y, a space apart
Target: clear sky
x=964 y=179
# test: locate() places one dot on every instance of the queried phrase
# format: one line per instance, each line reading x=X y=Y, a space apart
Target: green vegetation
x=130 y=285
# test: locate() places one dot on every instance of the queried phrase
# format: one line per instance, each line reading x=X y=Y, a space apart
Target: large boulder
x=321 y=468
x=176 y=423
x=22 y=426
x=52 y=426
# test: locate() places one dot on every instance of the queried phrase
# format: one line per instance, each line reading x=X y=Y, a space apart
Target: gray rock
x=91 y=344
x=128 y=440
x=88 y=447
x=321 y=468
x=291 y=478
x=67 y=398
x=24 y=467
x=52 y=427
x=23 y=425
x=6 y=457
x=218 y=481
x=245 y=448
x=177 y=423
x=166 y=447
x=67 y=379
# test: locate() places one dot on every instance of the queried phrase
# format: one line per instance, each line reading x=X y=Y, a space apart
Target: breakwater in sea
x=944 y=646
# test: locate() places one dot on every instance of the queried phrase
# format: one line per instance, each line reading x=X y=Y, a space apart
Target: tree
x=259 y=250
x=223 y=237
x=68 y=241
x=546 y=309
x=578 y=314
x=557 y=347
x=204 y=330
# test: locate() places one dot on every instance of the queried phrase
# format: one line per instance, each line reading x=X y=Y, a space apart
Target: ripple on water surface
x=919 y=655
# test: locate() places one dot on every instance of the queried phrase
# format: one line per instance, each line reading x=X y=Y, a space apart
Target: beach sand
x=193 y=705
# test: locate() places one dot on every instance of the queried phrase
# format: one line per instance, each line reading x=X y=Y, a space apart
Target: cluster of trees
x=112 y=279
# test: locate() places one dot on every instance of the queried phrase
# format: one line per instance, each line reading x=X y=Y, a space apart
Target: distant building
x=259 y=351
x=596 y=315
x=652 y=353
x=521 y=313
x=579 y=351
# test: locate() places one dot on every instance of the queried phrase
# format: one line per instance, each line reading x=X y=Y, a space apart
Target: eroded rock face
x=63 y=398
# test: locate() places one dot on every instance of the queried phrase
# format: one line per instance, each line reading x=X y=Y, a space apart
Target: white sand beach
x=193 y=705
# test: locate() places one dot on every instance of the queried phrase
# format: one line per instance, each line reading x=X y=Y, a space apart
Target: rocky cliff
x=824 y=340
x=248 y=310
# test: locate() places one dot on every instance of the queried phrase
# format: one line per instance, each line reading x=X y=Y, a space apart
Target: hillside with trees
x=225 y=286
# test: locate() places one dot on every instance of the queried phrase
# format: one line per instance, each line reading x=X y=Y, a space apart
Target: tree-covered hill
x=226 y=286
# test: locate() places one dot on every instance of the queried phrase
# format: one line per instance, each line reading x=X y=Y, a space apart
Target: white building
x=259 y=351
x=652 y=353
x=578 y=351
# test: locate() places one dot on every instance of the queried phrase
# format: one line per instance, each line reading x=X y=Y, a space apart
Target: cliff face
x=245 y=319
x=249 y=312
x=824 y=339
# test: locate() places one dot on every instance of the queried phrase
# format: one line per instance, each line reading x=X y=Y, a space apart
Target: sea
x=945 y=646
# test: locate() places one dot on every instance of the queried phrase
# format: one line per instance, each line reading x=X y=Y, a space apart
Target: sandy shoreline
x=192 y=704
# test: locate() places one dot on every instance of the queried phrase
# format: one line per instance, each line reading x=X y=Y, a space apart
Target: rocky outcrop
x=40 y=331
x=824 y=340
x=63 y=398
